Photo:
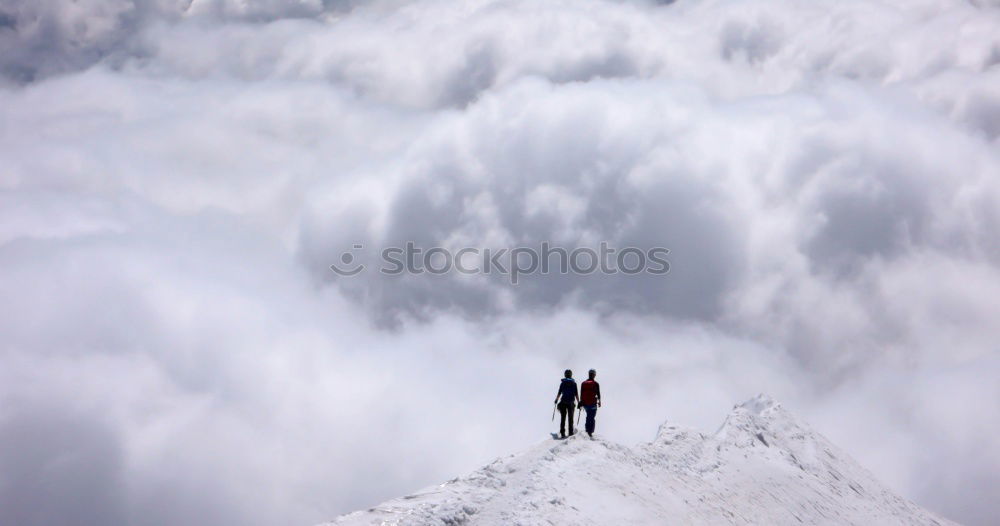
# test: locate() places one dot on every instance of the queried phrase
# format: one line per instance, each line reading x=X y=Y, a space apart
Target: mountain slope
x=762 y=466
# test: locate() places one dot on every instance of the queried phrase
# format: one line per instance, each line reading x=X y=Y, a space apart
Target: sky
x=177 y=177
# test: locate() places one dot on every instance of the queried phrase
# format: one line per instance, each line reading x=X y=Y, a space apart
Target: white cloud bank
x=176 y=177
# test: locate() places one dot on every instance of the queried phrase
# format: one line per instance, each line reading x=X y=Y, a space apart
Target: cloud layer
x=177 y=177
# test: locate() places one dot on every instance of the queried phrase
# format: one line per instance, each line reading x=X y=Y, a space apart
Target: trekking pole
x=553 y=411
x=578 y=409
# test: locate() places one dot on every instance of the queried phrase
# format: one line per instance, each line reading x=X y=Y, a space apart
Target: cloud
x=60 y=467
x=177 y=178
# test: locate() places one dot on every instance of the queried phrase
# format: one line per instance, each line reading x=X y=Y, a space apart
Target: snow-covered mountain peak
x=763 y=466
x=759 y=417
x=758 y=405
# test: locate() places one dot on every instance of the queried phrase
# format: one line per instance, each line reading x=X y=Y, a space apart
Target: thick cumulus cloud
x=178 y=176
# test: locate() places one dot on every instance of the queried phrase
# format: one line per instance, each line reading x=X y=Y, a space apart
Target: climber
x=590 y=399
x=565 y=398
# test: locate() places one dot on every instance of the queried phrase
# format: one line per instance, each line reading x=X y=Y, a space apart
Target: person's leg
x=570 y=407
x=562 y=420
x=591 y=413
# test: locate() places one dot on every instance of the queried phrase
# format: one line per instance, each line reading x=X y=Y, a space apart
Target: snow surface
x=763 y=466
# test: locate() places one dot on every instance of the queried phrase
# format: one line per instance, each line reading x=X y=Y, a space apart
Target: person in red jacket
x=590 y=400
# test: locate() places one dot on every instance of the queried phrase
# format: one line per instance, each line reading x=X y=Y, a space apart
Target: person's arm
x=597 y=390
x=558 y=392
x=576 y=393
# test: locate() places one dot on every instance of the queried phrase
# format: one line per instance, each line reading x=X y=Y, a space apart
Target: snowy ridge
x=762 y=466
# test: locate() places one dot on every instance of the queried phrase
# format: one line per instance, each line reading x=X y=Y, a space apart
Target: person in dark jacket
x=565 y=398
x=590 y=399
